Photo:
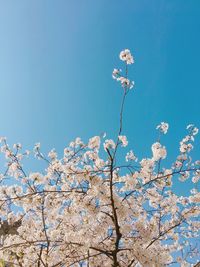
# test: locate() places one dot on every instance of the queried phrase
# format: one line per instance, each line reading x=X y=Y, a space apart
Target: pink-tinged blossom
x=109 y=144
x=178 y=164
x=163 y=127
x=195 y=198
x=94 y=142
x=186 y=143
x=99 y=163
x=123 y=79
x=116 y=74
x=126 y=56
x=159 y=152
x=184 y=176
x=123 y=140
x=126 y=83
x=185 y=147
x=90 y=208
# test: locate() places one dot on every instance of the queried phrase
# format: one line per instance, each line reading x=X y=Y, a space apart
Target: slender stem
x=121 y=114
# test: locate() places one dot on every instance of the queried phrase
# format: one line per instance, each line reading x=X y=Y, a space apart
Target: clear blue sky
x=56 y=60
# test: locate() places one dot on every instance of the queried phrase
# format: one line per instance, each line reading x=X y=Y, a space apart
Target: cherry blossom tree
x=90 y=209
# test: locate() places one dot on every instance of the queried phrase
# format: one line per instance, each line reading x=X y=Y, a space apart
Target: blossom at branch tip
x=125 y=55
x=185 y=144
x=76 y=143
x=163 y=127
x=126 y=83
x=185 y=147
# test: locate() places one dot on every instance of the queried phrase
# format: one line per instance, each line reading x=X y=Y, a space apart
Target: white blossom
x=94 y=142
x=123 y=140
x=116 y=74
x=109 y=144
x=163 y=127
x=52 y=154
x=126 y=56
x=126 y=83
x=159 y=152
x=89 y=208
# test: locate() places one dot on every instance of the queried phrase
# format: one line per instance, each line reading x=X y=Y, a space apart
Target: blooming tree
x=89 y=209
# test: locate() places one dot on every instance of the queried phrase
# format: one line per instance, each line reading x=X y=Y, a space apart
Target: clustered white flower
x=116 y=74
x=88 y=208
x=123 y=140
x=130 y=156
x=67 y=208
x=125 y=56
x=186 y=143
x=94 y=142
x=126 y=83
x=163 y=127
x=159 y=152
x=109 y=144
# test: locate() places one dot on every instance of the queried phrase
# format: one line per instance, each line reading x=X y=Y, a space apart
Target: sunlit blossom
x=96 y=205
x=125 y=55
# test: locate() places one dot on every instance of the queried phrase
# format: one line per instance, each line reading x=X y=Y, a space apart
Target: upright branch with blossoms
x=89 y=210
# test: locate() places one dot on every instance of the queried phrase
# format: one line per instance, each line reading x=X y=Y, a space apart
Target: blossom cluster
x=92 y=207
x=163 y=127
x=82 y=203
x=125 y=56
x=159 y=152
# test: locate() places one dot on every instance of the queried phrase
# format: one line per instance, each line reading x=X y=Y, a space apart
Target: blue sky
x=56 y=60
